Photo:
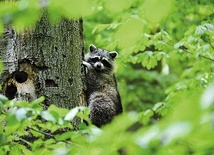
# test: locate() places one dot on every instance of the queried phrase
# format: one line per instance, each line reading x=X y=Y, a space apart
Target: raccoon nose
x=99 y=66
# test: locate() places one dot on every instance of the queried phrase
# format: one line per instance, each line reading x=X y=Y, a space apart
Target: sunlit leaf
x=200 y=30
x=71 y=114
x=208 y=98
x=155 y=10
x=60 y=111
x=48 y=116
x=174 y=131
x=117 y=6
x=209 y=26
x=21 y=114
x=145 y=139
x=39 y=100
x=130 y=32
x=3 y=98
x=64 y=136
x=12 y=125
x=178 y=45
x=100 y=27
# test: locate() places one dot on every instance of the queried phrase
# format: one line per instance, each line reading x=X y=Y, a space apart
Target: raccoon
x=102 y=96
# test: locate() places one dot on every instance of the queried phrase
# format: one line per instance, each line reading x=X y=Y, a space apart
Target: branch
x=44 y=133
x=206 y=58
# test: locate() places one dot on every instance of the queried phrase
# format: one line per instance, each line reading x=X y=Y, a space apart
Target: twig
x=44 y=133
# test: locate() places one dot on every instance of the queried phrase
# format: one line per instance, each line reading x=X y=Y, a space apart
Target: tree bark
x=45 y=61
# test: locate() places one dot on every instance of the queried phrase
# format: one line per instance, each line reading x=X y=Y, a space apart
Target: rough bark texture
x=45 y=61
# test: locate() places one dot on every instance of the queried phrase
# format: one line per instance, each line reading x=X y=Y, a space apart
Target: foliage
x=51 y=131
x=164 y=71
x=26 y=125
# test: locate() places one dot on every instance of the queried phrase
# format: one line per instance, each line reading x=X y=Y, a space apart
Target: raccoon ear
x=113 y=54
x=92 y=48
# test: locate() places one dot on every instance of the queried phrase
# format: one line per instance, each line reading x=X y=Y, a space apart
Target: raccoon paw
x=86 y=64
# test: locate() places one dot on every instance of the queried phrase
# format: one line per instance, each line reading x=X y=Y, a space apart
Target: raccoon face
x=101 y=60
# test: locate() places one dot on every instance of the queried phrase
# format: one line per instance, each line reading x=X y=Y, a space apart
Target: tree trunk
x=45 y=61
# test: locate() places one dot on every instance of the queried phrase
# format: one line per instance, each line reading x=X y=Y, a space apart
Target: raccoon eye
x=106 y=63
x=95 y=59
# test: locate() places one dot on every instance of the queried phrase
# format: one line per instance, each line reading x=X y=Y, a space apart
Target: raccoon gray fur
x=102 y=95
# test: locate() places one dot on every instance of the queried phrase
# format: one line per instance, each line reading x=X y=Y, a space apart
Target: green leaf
x=133 y=23
x=160 y=55
x=50 y=141
x=161 y=108
x=148 y=113
x=3 y=139
x=48 y=116
x=157 y=106
x=21 y=114
x=12 y=125
x=14 y=150
x=64 y=136
x=100 y=27
x=117 y=6
x=36 y=144
x=3 y=98
x=60 y=111
x=175 y=131
x=209 y=27
x=145 y=60
x=155 y=10
x=73 y=112
x=25 y=150
x=39 y=100
x=178 y=45
x=146 y=116
x=152 y=63
x=200 y=30
x=207 y=99
x=36 y=133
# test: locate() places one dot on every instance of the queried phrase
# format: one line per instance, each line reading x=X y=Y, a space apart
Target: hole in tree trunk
x=21 y=76
x=50 y=83
x=11 y=92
